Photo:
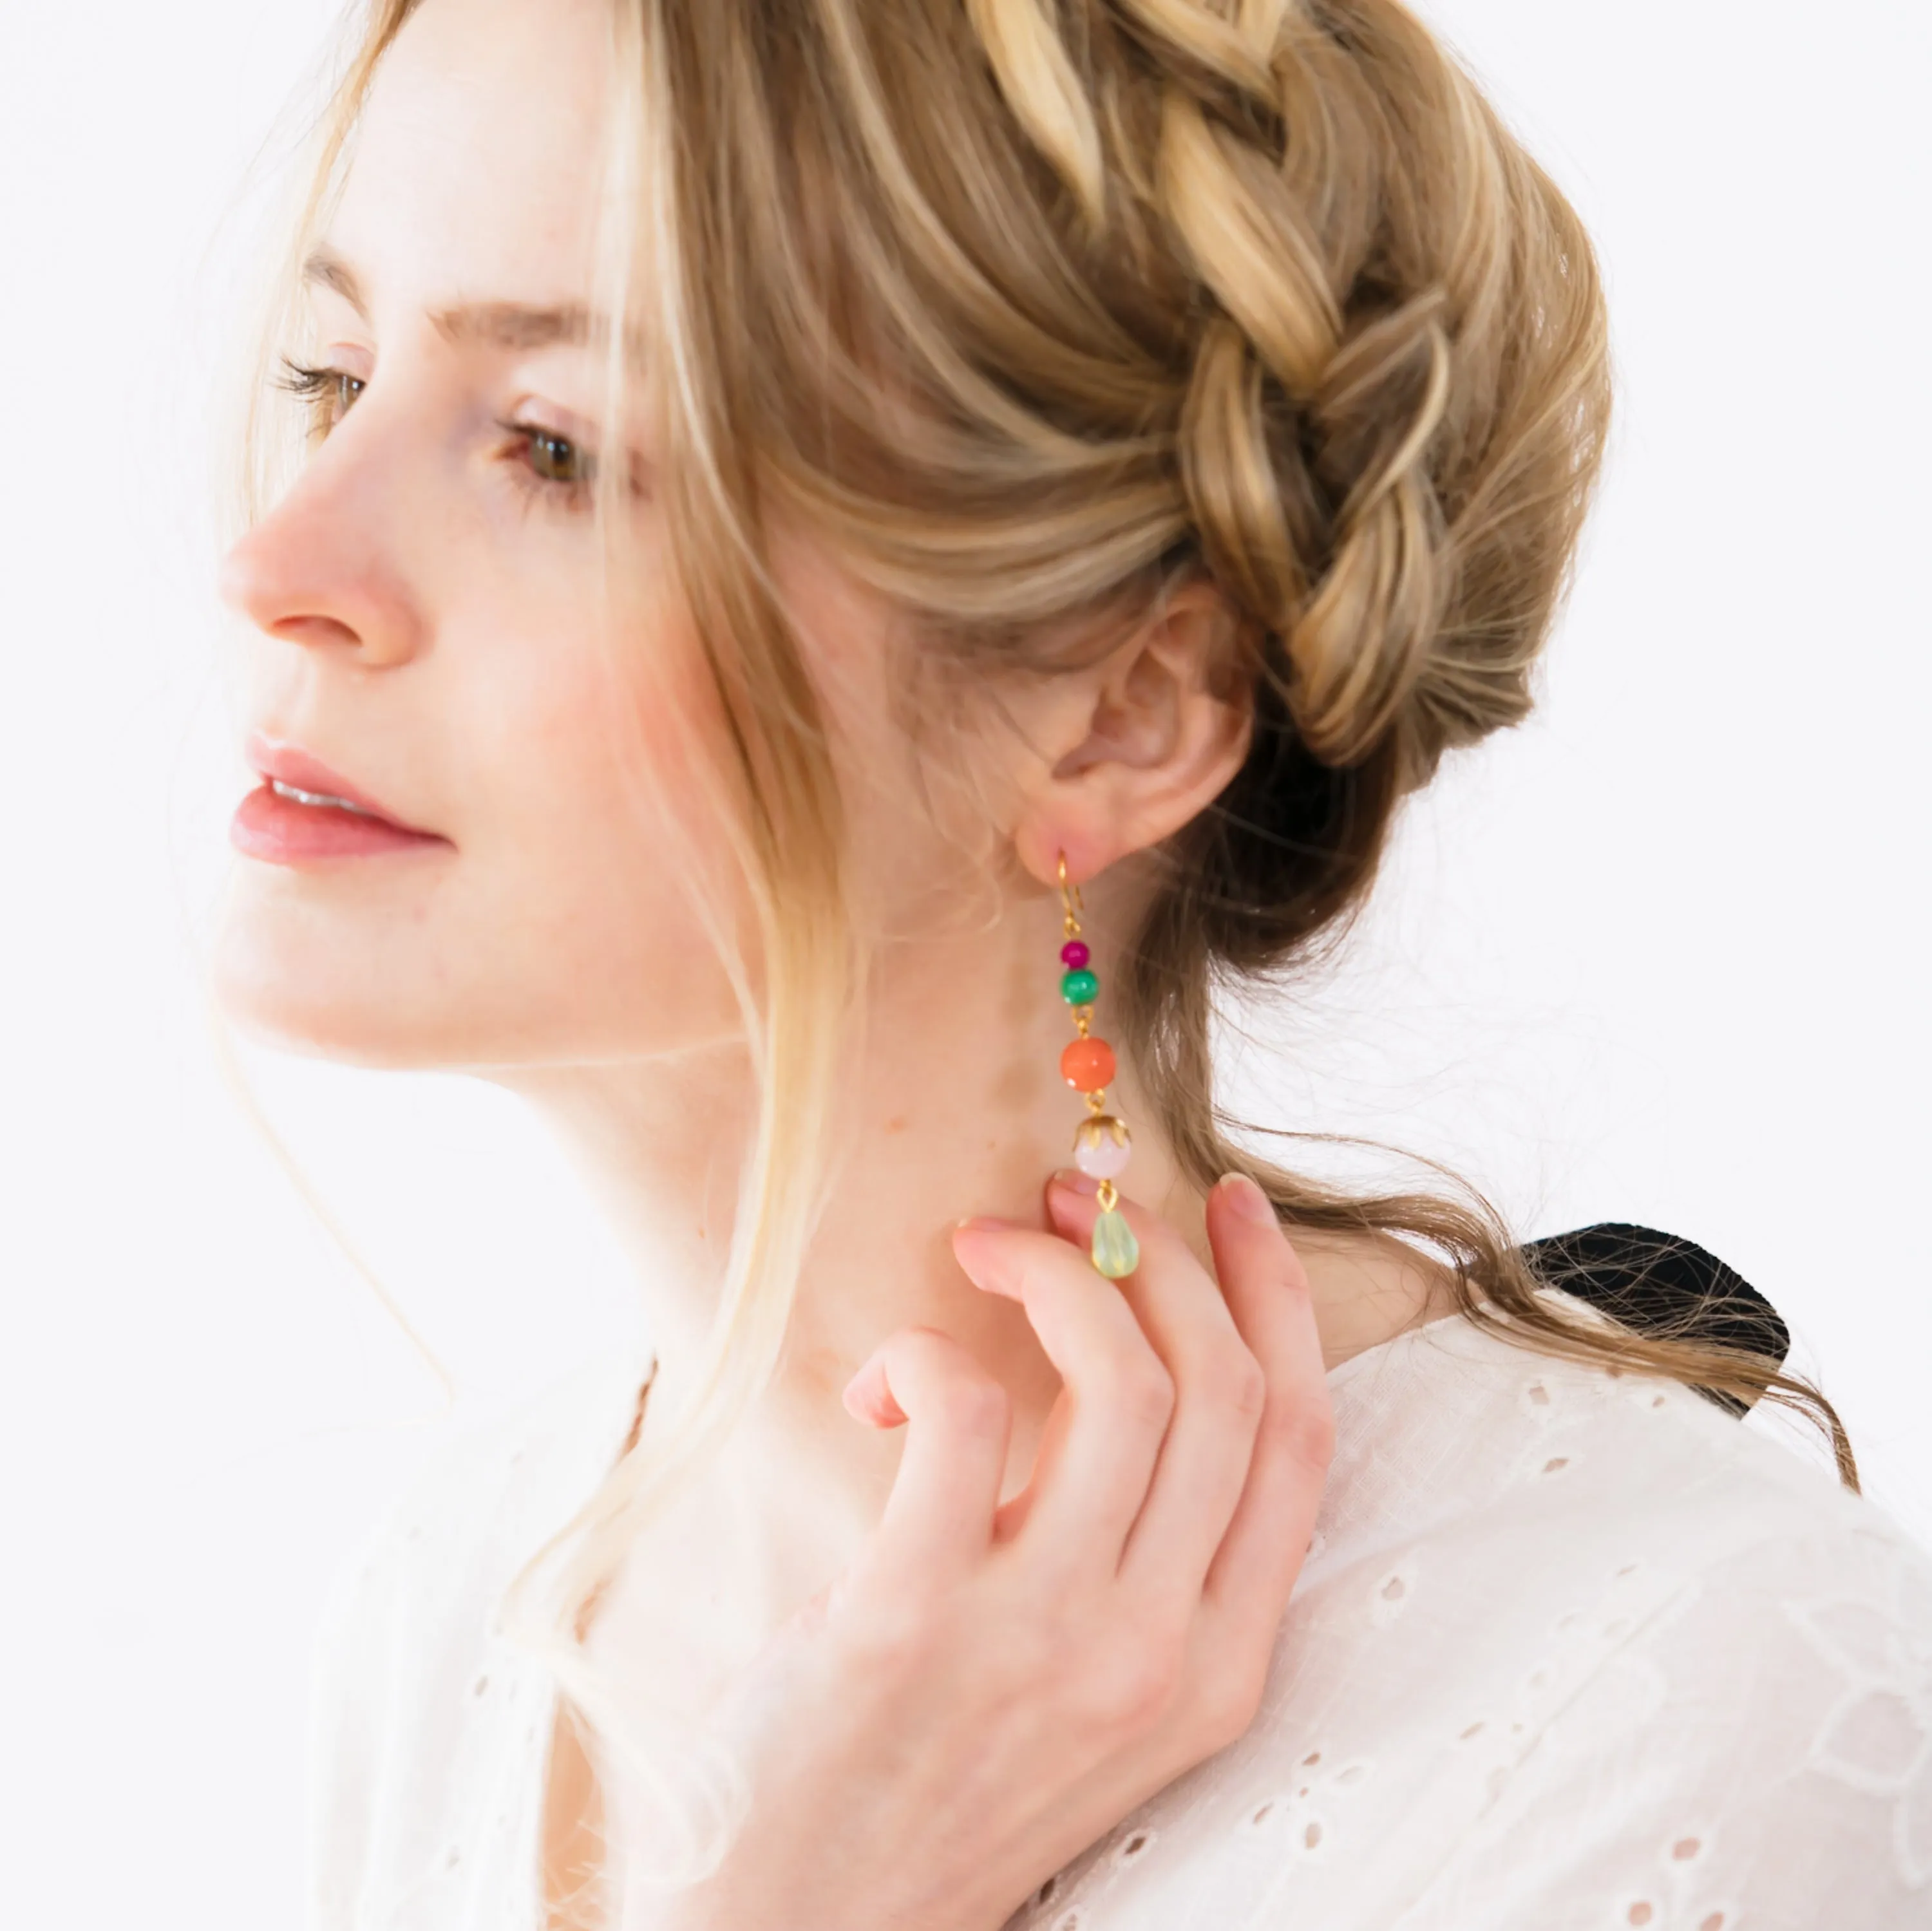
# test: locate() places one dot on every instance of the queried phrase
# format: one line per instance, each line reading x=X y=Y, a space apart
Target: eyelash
x=320 y=389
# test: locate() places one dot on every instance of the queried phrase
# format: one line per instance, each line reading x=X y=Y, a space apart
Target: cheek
x=596 y=797
x=597 y=741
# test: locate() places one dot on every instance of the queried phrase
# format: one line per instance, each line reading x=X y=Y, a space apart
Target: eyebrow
x=502 y=324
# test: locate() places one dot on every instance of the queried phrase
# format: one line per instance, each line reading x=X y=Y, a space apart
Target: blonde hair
x=1035 y=308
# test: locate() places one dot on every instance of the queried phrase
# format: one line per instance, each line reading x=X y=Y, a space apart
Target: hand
x=991 y=1687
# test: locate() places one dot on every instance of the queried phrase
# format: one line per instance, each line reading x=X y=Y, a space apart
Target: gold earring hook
x=1070 y=894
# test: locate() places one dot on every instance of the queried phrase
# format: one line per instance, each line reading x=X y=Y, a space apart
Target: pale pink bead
x=1101 y=1146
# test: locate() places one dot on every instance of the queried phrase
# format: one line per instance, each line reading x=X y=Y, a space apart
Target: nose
x=325 y=567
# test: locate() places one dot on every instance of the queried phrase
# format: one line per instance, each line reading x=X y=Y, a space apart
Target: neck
x=956 y=1108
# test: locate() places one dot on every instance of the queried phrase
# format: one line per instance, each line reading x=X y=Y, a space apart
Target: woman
x=855 y=562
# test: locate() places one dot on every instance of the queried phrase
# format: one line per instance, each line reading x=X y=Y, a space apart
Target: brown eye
x=557 y=460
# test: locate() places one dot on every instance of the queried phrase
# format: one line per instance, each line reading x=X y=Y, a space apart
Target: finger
x=1120 y=1395
x=939 y=1516
x=1253 y=1572
x=1219 y=1392
x=1010 y=1517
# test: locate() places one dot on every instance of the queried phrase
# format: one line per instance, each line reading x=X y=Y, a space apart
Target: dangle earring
x=1101 y=1144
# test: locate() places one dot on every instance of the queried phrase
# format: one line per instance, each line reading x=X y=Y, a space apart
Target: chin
x=319 y=1022
x=286 y=983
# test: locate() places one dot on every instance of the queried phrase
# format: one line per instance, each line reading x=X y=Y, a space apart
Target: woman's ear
x=1139 y=743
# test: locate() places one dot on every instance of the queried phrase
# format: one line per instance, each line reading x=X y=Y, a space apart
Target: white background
x=1658 y=956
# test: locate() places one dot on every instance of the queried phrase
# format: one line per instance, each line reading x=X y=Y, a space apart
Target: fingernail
x=867 y=1399
x=856 y=1395
x=970 y=1264
x=1246 y=1199
x=1071 y=1179
x=980 y=1266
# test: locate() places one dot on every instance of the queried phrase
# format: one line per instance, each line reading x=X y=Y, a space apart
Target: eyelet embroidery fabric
x=1570 y=1648
x=1877 y=1737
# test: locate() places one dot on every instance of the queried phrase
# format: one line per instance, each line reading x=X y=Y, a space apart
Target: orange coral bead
x=1087 y=1065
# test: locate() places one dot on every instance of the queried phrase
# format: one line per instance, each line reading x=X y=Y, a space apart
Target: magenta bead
x=1075 y=953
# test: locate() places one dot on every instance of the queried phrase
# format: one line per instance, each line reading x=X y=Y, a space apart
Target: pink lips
x=287 y=831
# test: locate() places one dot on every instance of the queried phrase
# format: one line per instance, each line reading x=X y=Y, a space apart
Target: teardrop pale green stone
x=1116 y=1251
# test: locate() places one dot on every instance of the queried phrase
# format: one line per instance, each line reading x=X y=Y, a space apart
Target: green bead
x=1116 y=1251
x=1078 y=988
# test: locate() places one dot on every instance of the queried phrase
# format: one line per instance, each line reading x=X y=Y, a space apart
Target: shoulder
x=1702 y=1478
x=1458 y=1422
x=1673 y=1671
x=1595 y=1462
x=1502 y=1481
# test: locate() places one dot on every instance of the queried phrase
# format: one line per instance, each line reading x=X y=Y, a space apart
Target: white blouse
x=1570 y=1649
